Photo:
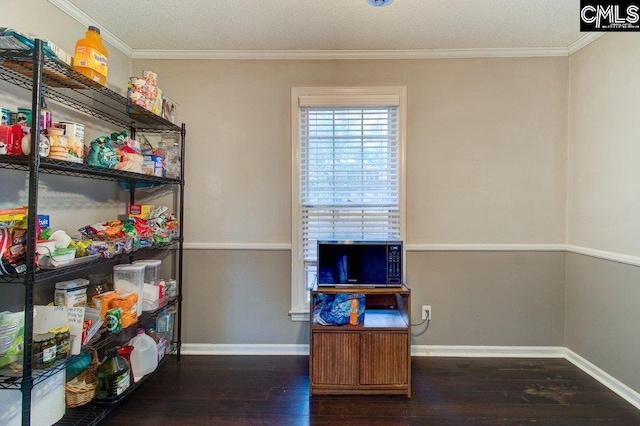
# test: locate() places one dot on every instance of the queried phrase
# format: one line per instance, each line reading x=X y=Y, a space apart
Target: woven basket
x=79 y=394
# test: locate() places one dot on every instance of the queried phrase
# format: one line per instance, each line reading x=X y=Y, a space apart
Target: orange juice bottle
x=353 y=314
x=90 y=58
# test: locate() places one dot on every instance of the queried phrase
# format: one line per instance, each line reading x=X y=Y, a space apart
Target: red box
x=6 y=139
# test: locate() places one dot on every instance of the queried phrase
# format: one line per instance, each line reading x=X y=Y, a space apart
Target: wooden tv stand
x=369 y=358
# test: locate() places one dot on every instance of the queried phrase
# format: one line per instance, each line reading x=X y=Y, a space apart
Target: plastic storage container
x=151 y=270
x=91 y=57
x=129 y=279
x=71 y=293
x=144 y=356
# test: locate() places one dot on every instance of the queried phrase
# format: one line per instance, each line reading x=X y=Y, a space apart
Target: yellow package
x=141 y=211
x=101 y=302
x=128 y=303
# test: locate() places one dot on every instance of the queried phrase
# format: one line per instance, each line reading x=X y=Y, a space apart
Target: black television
x=360 y=263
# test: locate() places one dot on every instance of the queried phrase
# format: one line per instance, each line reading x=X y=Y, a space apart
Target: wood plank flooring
x=273 y=390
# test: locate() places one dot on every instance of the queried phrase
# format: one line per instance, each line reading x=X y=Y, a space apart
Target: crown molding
x=584 y=41
x=109 y=37
x=348 y=54
x=86 y=20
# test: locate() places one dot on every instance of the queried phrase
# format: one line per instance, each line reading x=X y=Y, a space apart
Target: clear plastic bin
x=129 y=279
x=151 y=270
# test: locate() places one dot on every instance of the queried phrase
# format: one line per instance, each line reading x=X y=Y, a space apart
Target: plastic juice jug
x=91 y=57
x=144 y=356
x=125 y=352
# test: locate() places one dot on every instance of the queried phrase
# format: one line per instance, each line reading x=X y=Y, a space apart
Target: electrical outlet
x=426 y=312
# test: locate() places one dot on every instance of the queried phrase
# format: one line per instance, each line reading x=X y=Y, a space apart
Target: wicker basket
x=79 y=394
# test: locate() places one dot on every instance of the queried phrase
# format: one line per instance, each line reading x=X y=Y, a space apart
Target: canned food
x=5 y=117
x=44 y=350
x=113 y=319
x=24 y=116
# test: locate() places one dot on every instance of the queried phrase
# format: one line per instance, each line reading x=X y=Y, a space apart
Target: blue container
x=5 y=117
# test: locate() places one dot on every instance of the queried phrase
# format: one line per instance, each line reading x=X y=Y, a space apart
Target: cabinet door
x=335 y=358
x=385 y=358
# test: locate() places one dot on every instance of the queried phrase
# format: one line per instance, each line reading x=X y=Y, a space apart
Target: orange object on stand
x=353 y=315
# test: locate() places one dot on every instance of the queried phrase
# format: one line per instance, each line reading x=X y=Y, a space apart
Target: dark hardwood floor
x=273 y=390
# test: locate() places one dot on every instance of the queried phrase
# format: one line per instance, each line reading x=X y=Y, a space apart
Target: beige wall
x=70 y=203
x=602 y=316
x=486 y=163
x=40 y=18
x=502 y=299
x=604 y=147
x=486 y=144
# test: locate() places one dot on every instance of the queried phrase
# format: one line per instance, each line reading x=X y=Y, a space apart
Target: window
x=348 y=173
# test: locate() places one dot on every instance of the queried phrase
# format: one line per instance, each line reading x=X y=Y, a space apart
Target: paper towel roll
x=47 y=403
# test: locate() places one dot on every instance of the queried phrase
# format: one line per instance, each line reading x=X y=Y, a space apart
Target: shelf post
x=183 y=133
x=32 y=217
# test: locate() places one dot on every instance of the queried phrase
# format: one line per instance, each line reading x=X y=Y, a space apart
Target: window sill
x=299 y=316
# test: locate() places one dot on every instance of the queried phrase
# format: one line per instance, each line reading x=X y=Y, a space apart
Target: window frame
x=335 y=96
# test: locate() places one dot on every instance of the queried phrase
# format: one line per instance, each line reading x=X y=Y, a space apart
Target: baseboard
x=603 y=377
x=597 y=373
x=242 y=349
x=489 y=351
x=416 y=350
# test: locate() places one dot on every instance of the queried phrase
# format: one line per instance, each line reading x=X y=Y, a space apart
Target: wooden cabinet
x=373 y=357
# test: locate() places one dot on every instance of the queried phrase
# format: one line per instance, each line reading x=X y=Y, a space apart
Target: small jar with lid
x=62 y=336
x=44 y=350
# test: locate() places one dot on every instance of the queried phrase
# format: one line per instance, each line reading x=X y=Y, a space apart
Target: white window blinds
x=349 y=174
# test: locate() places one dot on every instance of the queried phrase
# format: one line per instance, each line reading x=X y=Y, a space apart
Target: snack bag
x=128 y=303
x=130 y=159
x=102 y=154
x=11 y=336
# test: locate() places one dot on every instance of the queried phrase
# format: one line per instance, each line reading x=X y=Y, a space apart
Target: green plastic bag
x=102 y=154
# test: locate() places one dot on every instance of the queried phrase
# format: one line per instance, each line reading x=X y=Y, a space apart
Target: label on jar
x=49 y=355
x=122 y=383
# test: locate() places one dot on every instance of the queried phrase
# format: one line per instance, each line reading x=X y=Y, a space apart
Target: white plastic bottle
x=173 y=165
x=144 y=356
x=162 y=152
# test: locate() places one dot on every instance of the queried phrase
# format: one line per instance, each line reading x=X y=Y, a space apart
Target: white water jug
x=144 y=356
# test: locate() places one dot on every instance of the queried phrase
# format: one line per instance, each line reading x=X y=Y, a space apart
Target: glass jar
x=62 y=337
x=44 y=350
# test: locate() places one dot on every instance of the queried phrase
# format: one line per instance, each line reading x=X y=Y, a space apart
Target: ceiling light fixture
x=379 y=3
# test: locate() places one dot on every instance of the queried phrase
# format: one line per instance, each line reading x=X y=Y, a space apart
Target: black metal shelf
x=14 y=381
x=92 y=413
x=63 y=84
x=45 y=77
x=47 y=274
x=68 y=168
x=10 y=380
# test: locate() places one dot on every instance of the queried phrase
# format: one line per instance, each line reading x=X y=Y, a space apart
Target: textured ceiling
x=334 y=25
